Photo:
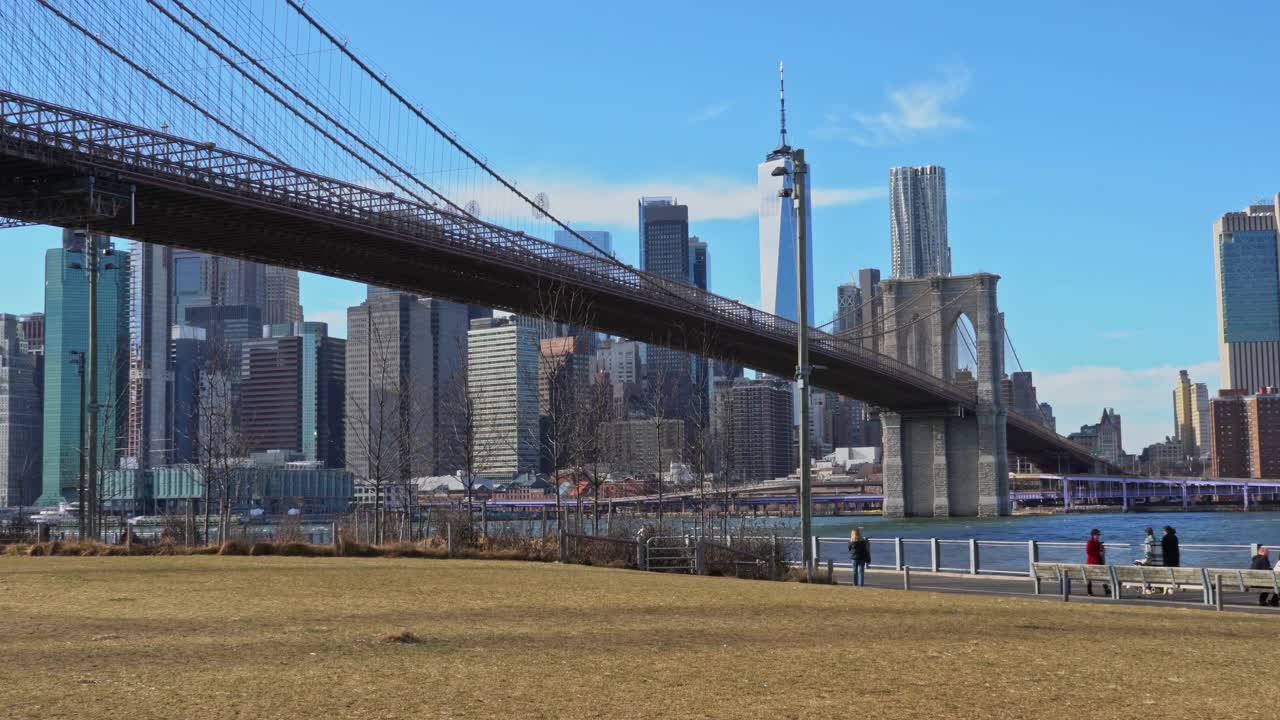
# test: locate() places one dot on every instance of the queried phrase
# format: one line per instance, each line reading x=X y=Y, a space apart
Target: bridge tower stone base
x=939 y=465
x=946 y=462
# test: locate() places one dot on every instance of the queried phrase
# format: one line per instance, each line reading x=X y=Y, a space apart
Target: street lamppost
x=77 y=359
x=798 y=196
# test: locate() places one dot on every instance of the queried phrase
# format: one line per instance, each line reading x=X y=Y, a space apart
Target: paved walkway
x=1023 y=587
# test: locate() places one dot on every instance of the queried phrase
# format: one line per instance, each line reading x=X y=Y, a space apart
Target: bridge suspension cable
x=248 y=69
x=97 y=39
x=344 y=49
x=1009 y=338
x=310 y=105
x=970 y=344
x=875 y=320
x=914 y=320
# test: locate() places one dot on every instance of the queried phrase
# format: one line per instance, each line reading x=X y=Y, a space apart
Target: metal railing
x=1001 y=557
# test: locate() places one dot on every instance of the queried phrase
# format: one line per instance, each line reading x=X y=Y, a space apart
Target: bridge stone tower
x=946 y=461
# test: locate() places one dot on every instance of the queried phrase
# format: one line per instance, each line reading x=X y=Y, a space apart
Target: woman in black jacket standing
x=860 y=554
x=1169 y=547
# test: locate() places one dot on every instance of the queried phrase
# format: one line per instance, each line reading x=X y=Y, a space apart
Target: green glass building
x=66 y=302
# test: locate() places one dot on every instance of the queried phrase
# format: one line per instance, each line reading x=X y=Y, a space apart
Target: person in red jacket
x=1095 y=553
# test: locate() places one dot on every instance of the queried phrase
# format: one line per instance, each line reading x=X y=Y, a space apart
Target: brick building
x=1245 y=434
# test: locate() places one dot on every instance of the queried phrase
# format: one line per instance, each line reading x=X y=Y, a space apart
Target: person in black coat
x=860 y=554
x=1262 y=562
x=1169 y=547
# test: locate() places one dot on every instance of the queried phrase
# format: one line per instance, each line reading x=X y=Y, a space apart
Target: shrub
x=233 y=547
x=800 y=575
x=301 y=549
x=262 y=548
x=167 y=546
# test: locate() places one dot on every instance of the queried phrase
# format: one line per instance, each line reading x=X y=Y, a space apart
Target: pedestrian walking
x=1095 y=553
x=1262 y=562
x=1149 y=544
x=860 y=554
x=1149 y=556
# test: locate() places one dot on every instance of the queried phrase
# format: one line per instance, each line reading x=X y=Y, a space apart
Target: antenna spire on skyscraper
x=782 y=106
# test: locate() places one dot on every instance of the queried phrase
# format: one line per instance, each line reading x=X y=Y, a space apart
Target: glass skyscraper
x=66 y=302
x=779 y=294
x=698 y=263
x=664 y=238
x=188 y=351
x=918 y=222
x=665 y=250
x=150 y=376
x=1247 y=271
x=20 y=416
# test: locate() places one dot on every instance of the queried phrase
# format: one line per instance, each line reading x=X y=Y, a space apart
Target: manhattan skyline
x=1072 y=182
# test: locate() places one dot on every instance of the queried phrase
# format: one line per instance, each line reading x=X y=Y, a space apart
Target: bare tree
x=220 y=446
x=723 y=451
x=109 y=437
x=564 y=314
x=699 y=419
x=466 y=409
x=666 y=386
x=595 y=441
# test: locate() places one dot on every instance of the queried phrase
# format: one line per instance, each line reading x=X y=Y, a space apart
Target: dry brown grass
x=284 y=637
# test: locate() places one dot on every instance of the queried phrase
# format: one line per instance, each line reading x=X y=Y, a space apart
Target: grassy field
x=274 y=637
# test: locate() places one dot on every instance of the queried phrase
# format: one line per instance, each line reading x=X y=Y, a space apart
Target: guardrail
x=1012 y=558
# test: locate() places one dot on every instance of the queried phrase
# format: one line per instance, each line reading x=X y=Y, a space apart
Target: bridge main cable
x=342 y=47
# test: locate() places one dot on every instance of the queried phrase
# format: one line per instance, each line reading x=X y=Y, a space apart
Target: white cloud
x=1118 y=334
x=1143 y=397
x=708 y=112
x=337 y=320
x=916 y=109
x=584 y=201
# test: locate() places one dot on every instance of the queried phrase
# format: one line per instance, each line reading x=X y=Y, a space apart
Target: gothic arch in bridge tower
x=948 y=460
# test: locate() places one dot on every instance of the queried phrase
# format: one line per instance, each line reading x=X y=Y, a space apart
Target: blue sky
x=1087 y=154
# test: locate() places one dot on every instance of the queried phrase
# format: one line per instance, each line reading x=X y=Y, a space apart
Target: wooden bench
x=1046 y=572
x=1169 y=579
x=1076 y=573
x=1118 y=577
x=1258 y=581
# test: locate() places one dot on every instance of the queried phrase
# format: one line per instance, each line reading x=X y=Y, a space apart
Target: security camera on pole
x=802 y=356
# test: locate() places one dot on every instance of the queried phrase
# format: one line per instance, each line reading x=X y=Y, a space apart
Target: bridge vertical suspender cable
x=161 y=83
x=275 y=96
